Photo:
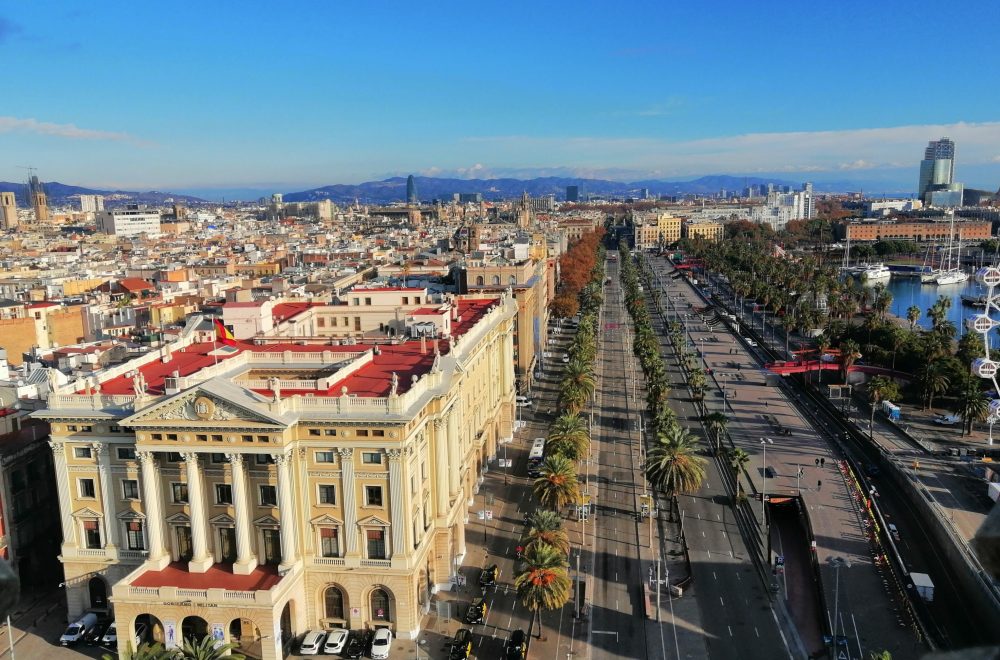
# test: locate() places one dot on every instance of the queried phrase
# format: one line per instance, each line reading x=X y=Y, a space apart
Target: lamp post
x=837 y=563
x=764 y=442
x=422 y=649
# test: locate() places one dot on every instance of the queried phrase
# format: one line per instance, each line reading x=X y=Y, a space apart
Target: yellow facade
x=709 y=231
x=653 y=230
x=351 y=508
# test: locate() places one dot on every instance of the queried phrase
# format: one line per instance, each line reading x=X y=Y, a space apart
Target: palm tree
x=849 y=354
x=673 y=465
x=558 y=485
x=932 y=381
x=973 y=404
x=569 y=437
x=738 y=460
x=543 y=583
x=822 y=346
x=546 y=527
x=879 y=655
x=716 y=423
x=577 y=384
x=153 y=651
x=880 y=389
x=913 y=315
x=206 y=649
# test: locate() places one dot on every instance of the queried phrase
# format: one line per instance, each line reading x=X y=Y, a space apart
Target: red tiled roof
x=285 y=311
x=186 y=362
x=40 y=305
x=135 y=284
x=388 y=288
x=426 y=311
x=218 y=576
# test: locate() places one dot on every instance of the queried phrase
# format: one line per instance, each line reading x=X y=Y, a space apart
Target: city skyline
x=270 y=101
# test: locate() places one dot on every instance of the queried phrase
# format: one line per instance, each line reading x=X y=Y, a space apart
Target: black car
x=94 y=635
x=355 y=646
x=476 y=612
x=461 y=645
x=517 y=646
x=367 y=637
x=488 y=576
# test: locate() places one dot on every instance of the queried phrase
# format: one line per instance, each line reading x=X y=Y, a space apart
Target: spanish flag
x=223 y=335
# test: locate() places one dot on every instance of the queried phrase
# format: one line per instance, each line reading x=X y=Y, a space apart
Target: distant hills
x=61 y=194
x=394 y=189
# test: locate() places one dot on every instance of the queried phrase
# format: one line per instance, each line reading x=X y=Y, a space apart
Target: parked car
x=461 y=645
x=355 y=646
x=94 y=635
x=893 y=532
x=517 y=646
x=381 y=644
x=336 y=640
x=476 y=612
x=749 y=341
x=312 y=642
x=488 y=576
x=947 y=420
x=522 y=401
x=76 y=630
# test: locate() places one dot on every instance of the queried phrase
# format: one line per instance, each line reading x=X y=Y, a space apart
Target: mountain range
x=62 y=194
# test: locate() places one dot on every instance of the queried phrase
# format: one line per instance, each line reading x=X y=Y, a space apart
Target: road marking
x=722 y=601
x=718 y=517
x=857 y=636
x=714 y=575
x=703 y=534
x=730 y=628
x=756 y=631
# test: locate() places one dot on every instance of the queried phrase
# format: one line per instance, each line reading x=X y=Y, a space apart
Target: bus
x=535 y=457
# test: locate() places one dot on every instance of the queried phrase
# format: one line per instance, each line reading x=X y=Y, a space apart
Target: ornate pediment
x=87 y=512
x=179 y=519
x=222 y=519
x=325 y=519
x=203 y=407
x=266 y=521
x=131 y=515
x=372 y=521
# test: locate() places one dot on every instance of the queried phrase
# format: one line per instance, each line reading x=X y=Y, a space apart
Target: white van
x=893 y=532
x=522 y=400
x=76 y=630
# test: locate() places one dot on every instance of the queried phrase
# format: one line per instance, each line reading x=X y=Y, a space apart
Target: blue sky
x=290 y=95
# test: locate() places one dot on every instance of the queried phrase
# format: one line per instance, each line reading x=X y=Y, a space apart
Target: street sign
x=489 y=515
x=481 y=514
x=780 y=560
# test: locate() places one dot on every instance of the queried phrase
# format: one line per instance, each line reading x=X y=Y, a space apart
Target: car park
x=461 y=645
x=336 y=640
x=312 y=643
x=516 y=647
x=381 y=644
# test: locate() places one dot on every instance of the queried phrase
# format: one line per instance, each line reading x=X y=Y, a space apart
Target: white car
x=336 y=640
x=750 y=342
x=947 y=420
x=381 y=644
x=312 y=642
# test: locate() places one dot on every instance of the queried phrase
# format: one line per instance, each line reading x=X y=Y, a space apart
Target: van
x=893 y=532
x=76 y=630
x=522 y=400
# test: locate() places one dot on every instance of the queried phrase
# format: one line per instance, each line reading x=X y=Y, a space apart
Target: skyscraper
x=411 y=191
x=572 y=193
x=937 y=185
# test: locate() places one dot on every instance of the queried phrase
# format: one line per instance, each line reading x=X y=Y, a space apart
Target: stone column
x=454 y=454
x=286 y=509
x=350 y=500
x=202 y=560
x=307 y=539
x=101 y=450
x=246 y=559
x=154 y=512
x=65 y=499
x=441 y=466
x=398 y=515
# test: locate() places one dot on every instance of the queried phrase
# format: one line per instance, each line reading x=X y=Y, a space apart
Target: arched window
x=512 y=280
x=380 y=605
x=480 y=281
x=333 y=601
x=496 y=279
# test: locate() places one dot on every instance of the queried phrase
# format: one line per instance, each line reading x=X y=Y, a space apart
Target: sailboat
x=929 y=273
x=952 y=274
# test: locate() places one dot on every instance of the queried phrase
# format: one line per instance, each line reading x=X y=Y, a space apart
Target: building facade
x=8 y=210
x=653 y=230
x=91 y=203
x=916 y=231
x=128 y=222
x=706 y=230
x=255 y=492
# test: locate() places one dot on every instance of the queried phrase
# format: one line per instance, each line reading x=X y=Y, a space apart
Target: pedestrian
x=819 y=484
x=817 y=462
x=765 y=404
x=822 y=462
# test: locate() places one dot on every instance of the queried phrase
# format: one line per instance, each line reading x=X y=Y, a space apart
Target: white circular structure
x=981 y=323
x=988 y=276
x=986 y=367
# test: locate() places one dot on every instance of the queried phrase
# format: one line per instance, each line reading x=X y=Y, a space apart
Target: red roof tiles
x=218 y=576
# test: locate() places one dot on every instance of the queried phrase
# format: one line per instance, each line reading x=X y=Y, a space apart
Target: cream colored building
x=256 y=492
x=707 y=230
x=655 y=229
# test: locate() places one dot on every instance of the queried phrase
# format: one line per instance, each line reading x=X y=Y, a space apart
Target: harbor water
x=907 y=291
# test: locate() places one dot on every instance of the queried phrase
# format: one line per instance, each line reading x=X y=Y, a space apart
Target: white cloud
x=69 y=131
x=797 y=151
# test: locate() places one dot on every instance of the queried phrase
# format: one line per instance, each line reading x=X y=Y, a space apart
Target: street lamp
x=422 y=649
x=837 y=563
x=763 y=493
